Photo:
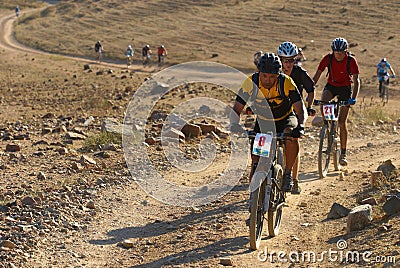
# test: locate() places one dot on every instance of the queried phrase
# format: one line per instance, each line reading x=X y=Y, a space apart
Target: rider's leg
x=326 y=96
x=295 y=172
x=380 y=87
x=254 y=160
x=342 y=122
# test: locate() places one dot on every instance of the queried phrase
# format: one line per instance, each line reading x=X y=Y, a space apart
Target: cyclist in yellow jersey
x=268 y=97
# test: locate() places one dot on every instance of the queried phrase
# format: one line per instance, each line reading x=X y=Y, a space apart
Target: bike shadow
x=219 y=248
x=159 y=227
x=181 y=226
x=314 y=176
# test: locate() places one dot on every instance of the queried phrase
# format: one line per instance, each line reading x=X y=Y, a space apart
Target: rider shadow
x=158 y=227
x=220 y=248
x=314 y=176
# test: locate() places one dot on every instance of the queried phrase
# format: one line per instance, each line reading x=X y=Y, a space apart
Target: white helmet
x=130 y=47
x=257 y=56
x=287 y=49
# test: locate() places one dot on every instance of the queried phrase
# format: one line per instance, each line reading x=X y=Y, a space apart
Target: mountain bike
x=267 y=197
x=384 y=87
x=328 y=140
x=161 y=59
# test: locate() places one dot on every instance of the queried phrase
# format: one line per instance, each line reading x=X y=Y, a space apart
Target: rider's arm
x=310 y=99
x=356 y=87
x=234 y=116
x=309 y=86
x=317 y=75
x=391 y=69
x=300 y=109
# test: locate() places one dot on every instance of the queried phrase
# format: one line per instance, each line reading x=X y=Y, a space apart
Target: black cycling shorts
x=289 y=121
x=343 y=93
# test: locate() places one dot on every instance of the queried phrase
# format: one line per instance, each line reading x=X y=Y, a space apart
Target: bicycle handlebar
x=340 y=103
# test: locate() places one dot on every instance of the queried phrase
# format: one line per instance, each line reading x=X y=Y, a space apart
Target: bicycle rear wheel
x=384 y=93
x=257 y=216
x=276 y=202
x=335 y=150
x=324 y=152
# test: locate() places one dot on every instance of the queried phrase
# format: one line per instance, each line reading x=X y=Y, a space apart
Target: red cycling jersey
x=338 y=75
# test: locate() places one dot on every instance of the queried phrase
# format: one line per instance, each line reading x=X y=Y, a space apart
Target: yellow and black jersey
x=274 y=99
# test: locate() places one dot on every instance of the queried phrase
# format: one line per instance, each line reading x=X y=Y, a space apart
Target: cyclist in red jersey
x=342 y=72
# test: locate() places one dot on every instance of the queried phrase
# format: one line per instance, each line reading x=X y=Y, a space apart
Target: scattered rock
x=226 y=261
x=376 y=178
x=338 y=211
x=173 y=133
x=191 y=130
x=392 y=205
x=7 y=244
x=387 y=168
x=86 y=160
x=28 y=201
x=90 y=204
x=13 y=147
x=75 y=136
x=41 y=175
x=127 y=243
x=62 y=150
x=359 y=217
x=370 y=201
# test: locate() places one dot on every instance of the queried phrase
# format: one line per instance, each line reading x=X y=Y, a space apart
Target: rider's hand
x=236 y=128
x=249 y=111
x=311 y=111
x=351 y=101
x=393 y=76
x=298 y=131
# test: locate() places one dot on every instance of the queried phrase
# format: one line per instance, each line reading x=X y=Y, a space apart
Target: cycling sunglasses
x=288 y=60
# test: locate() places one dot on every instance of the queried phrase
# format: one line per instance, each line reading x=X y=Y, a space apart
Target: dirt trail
x=168 y=236
x=8 y=41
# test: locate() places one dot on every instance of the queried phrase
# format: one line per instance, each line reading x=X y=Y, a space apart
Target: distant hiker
x=300 y=57
x=257 y=57
x=343 y=71
x=98 y=48
x=17 y=11
x=162 y=52
x=129 y=55
x=382 y=70
x=146 y=54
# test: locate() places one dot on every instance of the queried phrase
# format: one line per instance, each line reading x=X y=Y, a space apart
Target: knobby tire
x=257 y=216
x=324 y=152
x=276 y=197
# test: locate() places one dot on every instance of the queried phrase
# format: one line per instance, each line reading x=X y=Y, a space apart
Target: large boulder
x=359 y=217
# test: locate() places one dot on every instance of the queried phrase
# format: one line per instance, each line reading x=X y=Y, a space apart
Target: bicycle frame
x=330 y=111
x=267 y=194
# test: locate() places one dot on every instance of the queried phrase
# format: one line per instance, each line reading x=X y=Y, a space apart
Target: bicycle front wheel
x=276 y=202
x=324 y=152
x=257 y=216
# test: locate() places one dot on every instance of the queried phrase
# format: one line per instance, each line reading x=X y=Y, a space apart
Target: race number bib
x=329 y=112
x=262 y=144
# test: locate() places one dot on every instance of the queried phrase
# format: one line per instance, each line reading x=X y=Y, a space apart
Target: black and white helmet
x=269 y=63
x=287 y=49
x=339 y=44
